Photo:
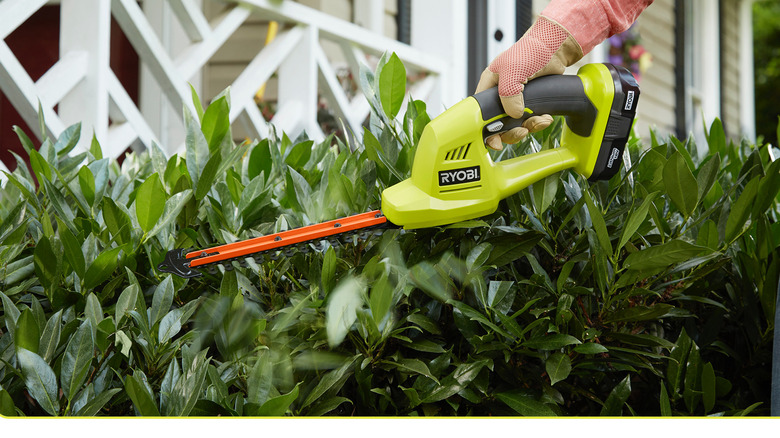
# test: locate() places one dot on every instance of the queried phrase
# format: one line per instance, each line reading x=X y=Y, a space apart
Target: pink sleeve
x=592 y=21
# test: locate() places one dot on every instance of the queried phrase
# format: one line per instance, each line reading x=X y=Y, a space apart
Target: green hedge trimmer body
x=453 y=176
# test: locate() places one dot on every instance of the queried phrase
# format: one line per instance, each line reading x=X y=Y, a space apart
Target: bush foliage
x=649 y=294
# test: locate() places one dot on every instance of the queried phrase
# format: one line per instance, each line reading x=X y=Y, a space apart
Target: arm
x=564 y=32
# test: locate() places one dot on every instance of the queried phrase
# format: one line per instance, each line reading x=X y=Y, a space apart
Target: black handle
x=560 y=95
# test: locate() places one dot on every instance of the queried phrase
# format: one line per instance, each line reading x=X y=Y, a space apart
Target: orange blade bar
x=285 y=238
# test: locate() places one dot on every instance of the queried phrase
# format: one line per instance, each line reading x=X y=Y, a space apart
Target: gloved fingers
x=494 y=142
x=538 y=123
x=513 y=105
x=514 y=135
x=488 y=79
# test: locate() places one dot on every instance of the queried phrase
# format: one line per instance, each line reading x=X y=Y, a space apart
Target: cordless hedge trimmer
x=453 y=177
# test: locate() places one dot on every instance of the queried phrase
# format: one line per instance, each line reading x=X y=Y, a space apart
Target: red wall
x=36 y=45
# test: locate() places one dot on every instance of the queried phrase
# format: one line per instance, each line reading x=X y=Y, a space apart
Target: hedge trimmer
x=453 y=177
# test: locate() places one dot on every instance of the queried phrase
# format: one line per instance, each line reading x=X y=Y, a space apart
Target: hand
x=547 y=48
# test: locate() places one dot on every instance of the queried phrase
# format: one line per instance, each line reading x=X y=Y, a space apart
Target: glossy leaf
x=635 y=220
x=277 y=406
x=558 y=367
x=392 y=85
x=551 y=342
x=525 y=404
x=680 y=184
x=50 y=338
x=598 y=224
x=215 y=124
x=342 y=305
x=740 y=210
x=27 y=334
x=613 y=405
x=141 y=397
x=101 y=268
x=660 y=256
x=77 y=360
x=40 y=380
x=150 y=202
x=162 y=300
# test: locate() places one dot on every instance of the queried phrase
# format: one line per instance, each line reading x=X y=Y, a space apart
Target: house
x=124 y=68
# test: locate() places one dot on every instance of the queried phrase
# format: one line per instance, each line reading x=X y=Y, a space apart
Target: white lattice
x=87 y=91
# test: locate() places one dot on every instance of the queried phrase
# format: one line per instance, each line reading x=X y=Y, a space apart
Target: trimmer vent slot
x=458 y=153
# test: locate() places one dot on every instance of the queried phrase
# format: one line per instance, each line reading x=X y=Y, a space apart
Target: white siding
x=730 y=109
x=657 y=102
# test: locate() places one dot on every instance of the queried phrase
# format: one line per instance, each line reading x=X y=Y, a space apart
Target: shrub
x=649 y=294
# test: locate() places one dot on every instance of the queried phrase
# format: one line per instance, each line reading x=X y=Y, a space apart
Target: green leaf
x=680 y=184
x=170 y=325
x=260 y=160
x=126 y=303
x=392 y=85
x=380 y=299
x=676 y=368
x=767 y=189
x=716 y=137
x=343 y=303
x=328 y=381
x=708 y=174
x=77 y=360
x=544 y=192
x=417 y=366
x=525 y=404
x=73 y=252
x=50 y=338
x=640 y=313
x=708 y=387
x=94 y=406
x=94 y=148
x=188 y=388
x=39 y=380
x=173 y=206
x=551 y=342
x=599 y=225
x=150 y=202
x=162 y=299
x=197 y=148
x=68 y=139
x=93 y=310
x=141 y=397
x=215 y=124
x=635 y=220
x=661 y=256
x=39 y=166
x=27 y=334
x=47 y=264
x=102 y=268
x=328 y=278
x=558 y=367
x=206 y=180
x=277 y=406
x=590 y=348
x=7 y=408
x=508 y=248
x=740 y=211
x=87 y=184
x=117 y=221
x=196 y=102
x=666 y=406
x=613 y=406
x=708 y=235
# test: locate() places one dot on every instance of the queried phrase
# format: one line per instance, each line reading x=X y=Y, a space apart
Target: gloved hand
x=546 y=48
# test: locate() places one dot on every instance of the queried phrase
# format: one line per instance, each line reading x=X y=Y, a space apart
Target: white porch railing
x=84 y=89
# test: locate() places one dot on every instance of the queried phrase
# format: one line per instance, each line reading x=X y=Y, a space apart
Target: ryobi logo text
x=458 y=176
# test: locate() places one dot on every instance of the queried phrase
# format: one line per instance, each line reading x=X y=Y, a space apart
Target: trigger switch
x=495 y=126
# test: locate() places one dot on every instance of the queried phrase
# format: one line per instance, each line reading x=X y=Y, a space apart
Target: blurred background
x=125 y=68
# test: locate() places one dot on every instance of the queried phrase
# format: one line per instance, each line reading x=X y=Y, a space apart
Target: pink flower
x=636 y=51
